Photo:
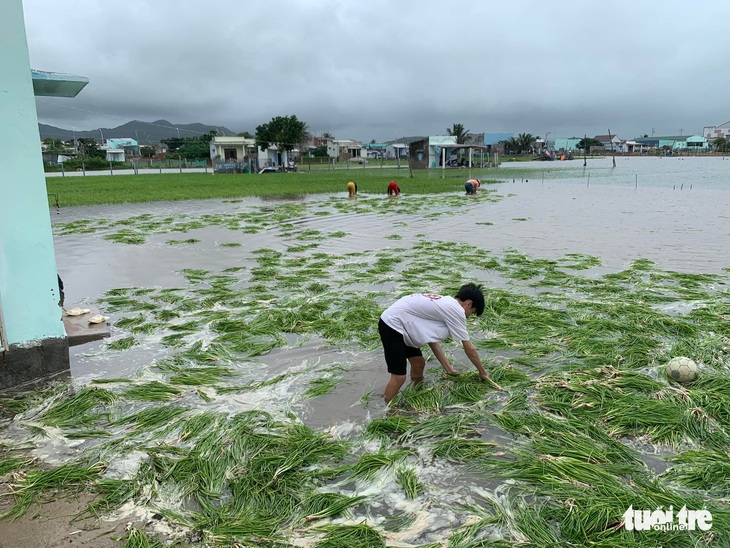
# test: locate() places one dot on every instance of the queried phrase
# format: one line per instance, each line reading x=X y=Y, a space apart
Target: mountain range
x=145 y=133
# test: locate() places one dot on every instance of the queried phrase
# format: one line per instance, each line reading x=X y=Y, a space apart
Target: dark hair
x=473 y=293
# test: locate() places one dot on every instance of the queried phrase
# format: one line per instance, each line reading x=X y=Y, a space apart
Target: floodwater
x=673 y=211
x=680 y=220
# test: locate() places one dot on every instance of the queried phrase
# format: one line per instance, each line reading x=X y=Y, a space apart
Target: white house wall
x=435 y=146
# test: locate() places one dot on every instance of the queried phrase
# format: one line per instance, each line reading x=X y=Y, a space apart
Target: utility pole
x=610 y=139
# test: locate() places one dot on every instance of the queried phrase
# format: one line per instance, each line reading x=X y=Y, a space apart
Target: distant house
x=609 y=142
x=676 y=143
x=567 y=145
x=56 y=157
x=345 y=149
x=273 y=157
x=441 y=151
x=428 y=152
x=715 y=132
x=622 y=147
x=232 y=149
x=129 y=146
x=634 y=147
x=396 y=151
x=476 y=139
x=376 y=150
x=114 y=155
x=118 y=149
x=398 y=148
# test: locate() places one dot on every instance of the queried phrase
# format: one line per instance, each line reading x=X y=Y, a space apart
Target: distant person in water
x=471 y=186
x=393 y=189
x=351 y=189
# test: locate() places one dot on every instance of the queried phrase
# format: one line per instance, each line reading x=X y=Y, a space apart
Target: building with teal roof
x=567 y=145
x=676 y=143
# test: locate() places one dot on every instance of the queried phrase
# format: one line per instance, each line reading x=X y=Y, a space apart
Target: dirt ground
x=52 y=525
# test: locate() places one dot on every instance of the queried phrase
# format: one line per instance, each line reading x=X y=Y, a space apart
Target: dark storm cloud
x=382 y=69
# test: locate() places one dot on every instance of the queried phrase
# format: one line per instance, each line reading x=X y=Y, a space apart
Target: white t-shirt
x=423 y=319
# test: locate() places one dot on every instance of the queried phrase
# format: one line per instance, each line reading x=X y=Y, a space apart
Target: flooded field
x=239 y=399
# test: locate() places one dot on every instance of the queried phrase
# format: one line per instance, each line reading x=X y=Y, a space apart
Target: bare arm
x=441 y=357
x=473 y=356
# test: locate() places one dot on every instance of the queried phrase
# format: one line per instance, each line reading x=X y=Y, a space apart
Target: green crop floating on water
x=216 y=420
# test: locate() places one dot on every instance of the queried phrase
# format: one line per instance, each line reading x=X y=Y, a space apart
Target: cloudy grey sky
x=382 y=69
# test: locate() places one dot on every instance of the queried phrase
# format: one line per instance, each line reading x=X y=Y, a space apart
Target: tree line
x=288 y=132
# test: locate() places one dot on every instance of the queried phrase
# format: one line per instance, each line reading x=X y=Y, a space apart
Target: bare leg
x=393 y=386
x=418 y=364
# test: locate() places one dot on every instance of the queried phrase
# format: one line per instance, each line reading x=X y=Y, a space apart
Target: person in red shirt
x=393 y=189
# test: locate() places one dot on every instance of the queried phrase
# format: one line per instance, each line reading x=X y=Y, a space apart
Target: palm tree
x=721 y=144
x=526 y=142
x=459 y=132
x=511 y=145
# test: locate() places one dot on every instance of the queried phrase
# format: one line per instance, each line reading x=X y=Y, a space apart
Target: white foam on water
x=344 y=430
x=55 y=448
x=125 y=467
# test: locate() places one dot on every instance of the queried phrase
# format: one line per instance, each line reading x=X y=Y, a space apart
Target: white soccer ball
x=681 y=369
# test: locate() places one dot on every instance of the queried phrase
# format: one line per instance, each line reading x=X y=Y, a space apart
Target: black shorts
x=395 y=349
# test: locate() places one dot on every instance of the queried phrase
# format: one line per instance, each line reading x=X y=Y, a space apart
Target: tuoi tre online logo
x=665 y=520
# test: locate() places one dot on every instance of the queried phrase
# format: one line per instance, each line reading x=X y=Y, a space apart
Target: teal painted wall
x=567 y=144
x=28 y=286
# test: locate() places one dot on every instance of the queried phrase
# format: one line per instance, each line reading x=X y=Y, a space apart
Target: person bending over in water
x=419 y=319
x=471 y=186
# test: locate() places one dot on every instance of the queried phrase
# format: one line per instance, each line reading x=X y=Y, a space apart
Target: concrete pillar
x=34 y=341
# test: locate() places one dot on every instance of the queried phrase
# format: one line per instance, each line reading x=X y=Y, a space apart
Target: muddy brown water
x=672 y=211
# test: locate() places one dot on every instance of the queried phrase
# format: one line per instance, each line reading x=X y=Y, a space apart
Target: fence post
x=111 y=170
x=83 y=167
x=63 y=173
